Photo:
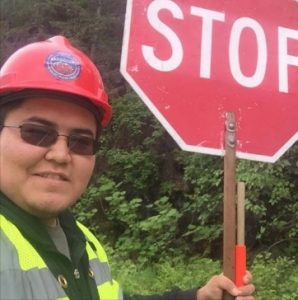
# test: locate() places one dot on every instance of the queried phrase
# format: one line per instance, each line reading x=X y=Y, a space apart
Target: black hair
x=14 y=100
x=6 y=108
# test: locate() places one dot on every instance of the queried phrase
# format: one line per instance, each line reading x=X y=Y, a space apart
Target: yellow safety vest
x=24 y=274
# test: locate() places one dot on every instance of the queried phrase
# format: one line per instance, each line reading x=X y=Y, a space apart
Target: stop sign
x=193 y=61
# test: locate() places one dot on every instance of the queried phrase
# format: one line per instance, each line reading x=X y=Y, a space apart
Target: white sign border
x=166 y=124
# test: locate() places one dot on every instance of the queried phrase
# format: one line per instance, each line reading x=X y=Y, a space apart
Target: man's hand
x=216 y=286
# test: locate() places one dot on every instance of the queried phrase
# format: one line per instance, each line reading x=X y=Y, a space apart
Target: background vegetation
x=158 y=209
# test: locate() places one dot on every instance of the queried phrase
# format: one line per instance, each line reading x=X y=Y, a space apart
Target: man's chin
x=45 y=213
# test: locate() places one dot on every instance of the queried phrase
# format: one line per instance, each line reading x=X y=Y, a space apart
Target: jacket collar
x=34 y=230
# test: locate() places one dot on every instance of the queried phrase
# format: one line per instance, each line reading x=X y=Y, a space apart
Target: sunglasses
x=44 y=136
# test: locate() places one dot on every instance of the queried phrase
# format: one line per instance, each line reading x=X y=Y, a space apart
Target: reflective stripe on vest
x=24 y=274
x=108 y=289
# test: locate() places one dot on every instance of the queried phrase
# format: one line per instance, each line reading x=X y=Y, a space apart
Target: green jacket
x=32 y=268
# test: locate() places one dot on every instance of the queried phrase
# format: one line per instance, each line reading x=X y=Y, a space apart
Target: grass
x=274 y=278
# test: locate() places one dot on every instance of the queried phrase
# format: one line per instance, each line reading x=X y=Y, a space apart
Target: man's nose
x=59 y=151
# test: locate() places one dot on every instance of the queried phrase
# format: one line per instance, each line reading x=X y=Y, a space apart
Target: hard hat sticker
x=63 y=66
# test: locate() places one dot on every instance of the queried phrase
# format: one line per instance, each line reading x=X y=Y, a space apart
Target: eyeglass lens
x=45 y=137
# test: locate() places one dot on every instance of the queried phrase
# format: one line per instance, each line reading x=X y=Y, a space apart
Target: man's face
x=45 y=181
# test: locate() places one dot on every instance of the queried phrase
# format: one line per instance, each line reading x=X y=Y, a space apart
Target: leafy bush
x=274 y=278
x=149 y=199
x=272 y=199
x=169 y=273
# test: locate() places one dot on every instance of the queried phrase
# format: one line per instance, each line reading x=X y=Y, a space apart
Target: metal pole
x=229 y=217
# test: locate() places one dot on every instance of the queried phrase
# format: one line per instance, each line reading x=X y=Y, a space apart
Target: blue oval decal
x=63 y=66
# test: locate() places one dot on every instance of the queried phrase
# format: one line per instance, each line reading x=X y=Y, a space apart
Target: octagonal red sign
x=192 y=61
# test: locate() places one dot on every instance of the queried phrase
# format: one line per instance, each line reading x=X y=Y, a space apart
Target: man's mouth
x=53 y=176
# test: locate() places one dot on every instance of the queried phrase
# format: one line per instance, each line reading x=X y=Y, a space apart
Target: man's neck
x=51 y=222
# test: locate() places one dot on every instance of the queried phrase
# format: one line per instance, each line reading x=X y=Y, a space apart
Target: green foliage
x=130 y=163
x=86 y=211
x=144 y=238
x=272 y=198
x=158 y=278
x=202 y=204
x=275 y=279
x=149 y=200
x=153 y=200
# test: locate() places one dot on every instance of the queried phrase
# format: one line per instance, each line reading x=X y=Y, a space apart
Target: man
x=52 y=108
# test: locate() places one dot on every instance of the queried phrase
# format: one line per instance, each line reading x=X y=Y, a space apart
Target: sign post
x=229 y=219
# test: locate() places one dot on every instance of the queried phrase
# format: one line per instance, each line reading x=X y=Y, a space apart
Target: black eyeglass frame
x=55 y=134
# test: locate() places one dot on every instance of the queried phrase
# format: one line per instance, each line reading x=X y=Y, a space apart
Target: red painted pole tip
x=240 y=264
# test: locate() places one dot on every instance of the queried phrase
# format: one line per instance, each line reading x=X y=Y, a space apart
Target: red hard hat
x=55 y=65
